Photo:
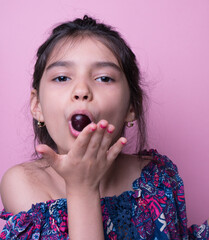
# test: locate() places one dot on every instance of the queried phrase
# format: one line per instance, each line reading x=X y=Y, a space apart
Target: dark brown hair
x=111 y=39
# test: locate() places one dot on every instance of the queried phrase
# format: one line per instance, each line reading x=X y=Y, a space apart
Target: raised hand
x=88 y=159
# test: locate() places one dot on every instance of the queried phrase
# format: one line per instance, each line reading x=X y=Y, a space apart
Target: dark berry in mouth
x=80 y=121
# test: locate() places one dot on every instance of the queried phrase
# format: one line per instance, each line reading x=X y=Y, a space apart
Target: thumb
x=48 y=154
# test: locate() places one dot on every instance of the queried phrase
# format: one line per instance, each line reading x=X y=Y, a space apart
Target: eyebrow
x=59 y=64
x=99 y=64
x=107 y=64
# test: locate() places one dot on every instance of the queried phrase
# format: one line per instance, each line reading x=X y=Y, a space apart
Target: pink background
x=171 y=41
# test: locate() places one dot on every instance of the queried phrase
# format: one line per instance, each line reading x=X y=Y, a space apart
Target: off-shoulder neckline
x=148 y=166
x=128 y=193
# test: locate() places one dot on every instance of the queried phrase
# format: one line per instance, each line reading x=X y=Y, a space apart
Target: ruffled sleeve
x=199 y=232
x=43 y=221
x=162 y=191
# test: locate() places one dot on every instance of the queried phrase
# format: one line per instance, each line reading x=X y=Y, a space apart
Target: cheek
x=117 y=102
x=51 y=110
x=115 y=113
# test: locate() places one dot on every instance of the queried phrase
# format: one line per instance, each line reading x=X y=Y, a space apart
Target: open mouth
x=80 y=121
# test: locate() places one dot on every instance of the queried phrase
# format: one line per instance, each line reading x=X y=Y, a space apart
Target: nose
x=82 y=92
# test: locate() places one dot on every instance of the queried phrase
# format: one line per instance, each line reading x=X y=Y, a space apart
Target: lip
x=84 y=112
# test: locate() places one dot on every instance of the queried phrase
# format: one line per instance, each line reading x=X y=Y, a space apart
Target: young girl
x=85 y=93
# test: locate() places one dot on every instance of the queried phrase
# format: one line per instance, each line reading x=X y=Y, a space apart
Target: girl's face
x=81 y=77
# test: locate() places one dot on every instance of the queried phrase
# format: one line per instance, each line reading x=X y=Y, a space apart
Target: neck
x=119 y=178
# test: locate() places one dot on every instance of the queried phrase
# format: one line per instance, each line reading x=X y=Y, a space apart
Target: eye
x=104 y=79
x=61 y=79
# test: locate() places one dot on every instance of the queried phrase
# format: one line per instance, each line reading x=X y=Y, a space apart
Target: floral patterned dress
x=154 y=209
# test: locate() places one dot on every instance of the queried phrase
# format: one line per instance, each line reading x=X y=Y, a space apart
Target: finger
x=106 y=141
x=116 y=149
x=81 y=143
x=96 y=139
x=48 y=154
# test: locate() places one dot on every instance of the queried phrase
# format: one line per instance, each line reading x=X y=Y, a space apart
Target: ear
x=130 y=117
x=35 y=106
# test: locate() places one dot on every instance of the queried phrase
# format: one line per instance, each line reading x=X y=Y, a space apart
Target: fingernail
x=93 y=127
x=124 y=141
x=102 y=126
x=109 y=131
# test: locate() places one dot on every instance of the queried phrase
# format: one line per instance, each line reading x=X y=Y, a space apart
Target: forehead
x=81 y=48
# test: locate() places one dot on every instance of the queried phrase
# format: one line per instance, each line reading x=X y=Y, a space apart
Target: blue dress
x=155 y=209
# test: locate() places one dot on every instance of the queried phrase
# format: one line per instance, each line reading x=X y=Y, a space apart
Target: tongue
x=80 y=121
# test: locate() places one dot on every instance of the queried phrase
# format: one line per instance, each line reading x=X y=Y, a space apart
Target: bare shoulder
x=20 y=186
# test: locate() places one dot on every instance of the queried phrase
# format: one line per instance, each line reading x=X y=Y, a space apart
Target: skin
x=105 y=100
x=89 y=166
x=86 y=159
